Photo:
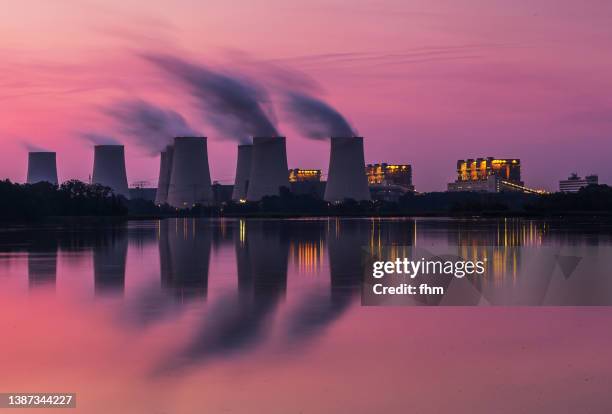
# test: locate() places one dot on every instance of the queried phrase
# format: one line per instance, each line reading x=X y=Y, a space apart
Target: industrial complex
x=490 y=175
x=261 y=170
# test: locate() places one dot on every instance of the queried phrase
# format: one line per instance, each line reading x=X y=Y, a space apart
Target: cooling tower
x=269 y=171
x=243 y=172
x=165 y=168
x=346 y=178
x=42 y=167
x=190 y=176
x=109 y=168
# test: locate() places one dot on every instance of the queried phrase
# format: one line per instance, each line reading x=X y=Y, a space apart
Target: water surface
x=264 y=316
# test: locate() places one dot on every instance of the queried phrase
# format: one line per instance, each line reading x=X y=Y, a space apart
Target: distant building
x=388 y=182
x=390 y=174
x=574 y=183
x=306 y=182
x=222 y=193
x=299 y=175
x=143 y=193
x=489 y=175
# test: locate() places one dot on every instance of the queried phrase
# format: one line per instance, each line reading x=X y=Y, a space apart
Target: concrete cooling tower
x=346 y=178
x=42 y=167
x=165 y=168
x=269 y=171
x=243 y=172
x=190 y=176
x=109 y=168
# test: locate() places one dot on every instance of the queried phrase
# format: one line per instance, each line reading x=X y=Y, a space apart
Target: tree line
x=77 y=199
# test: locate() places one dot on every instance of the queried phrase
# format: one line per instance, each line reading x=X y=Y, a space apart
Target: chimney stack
x=269 y=171
x=190 y=176
x=346 y=177
x=109 y=168
x=165 y=169
x=42 y=167
x=243 y=172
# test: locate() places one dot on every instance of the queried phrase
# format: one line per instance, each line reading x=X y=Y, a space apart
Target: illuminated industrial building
x=306 y=182
x=480 y=169
x=300 y=175
x=388 y=182
x=392 y=174
x=491 y=175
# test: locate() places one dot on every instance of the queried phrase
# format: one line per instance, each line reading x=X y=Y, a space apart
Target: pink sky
x=425 y=82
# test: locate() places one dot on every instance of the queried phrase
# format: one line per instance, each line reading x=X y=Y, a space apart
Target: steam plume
x=236 y=107
x=30 y=147
x=149 y=125
x=315 y=118
x=99 y=139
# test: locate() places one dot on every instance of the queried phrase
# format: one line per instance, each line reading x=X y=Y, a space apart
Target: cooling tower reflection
x=346 y=244
x=42 y=263
x=239 y=322
x=109 y=258
x=184 y=255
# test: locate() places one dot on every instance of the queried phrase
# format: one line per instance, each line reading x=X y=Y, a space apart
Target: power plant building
x=109 y=168
x=489 y=175
x=268 y=168
x=388 y=182
x=306 y=182
x=297 y=175
x=346 y=177
x=42 y=167
x=574 y=183
x=190 y=175
x=390 y=174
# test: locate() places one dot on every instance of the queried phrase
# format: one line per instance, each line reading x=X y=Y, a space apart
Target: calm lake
x=265 y=316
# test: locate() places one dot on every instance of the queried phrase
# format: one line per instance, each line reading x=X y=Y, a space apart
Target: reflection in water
x=222 y=233
x=238 y=322
x=494 y=241
x=307 y=245
x=42 y=268
x=184 y=254
x=280 y=285
x=109 y=258
x=347 y=242
x=42 y=262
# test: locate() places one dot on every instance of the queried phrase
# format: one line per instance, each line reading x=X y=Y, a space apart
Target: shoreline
x=605 y=215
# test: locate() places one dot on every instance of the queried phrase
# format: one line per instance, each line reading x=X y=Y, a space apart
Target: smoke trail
x=150 y=126
x=99 y=139
x=32 y=147
x=236 y=107
x=315 y=118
